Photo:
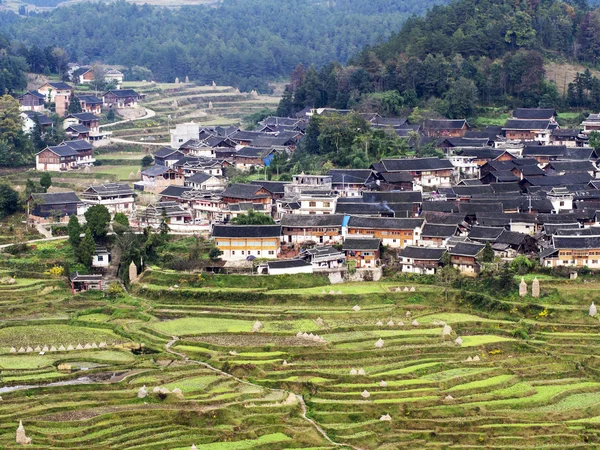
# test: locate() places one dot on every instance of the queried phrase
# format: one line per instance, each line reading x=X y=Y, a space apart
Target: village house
x=323 y=257
x=167 y=157
x=83 y=75
x=566 y=137
x=59 y=93
x=243 y=242
x=535 y=114
x=426 y=172
x=320 y=229
x=246 y=193
x=178 y=218
x=85 y=119
x=205 y=182
x=52 y=89
x=78 y=132
x=113 y=76
x=29 y=120
x=312 y=183
x=288 y=267
x=395 y=233
x=117 y=197
x=54 y=207
x=351 y=182
x=421 y=260
x=89 y=103
x=365 y=252
x=437 y=235
x=464 y=257
x=121 y=98
x=318 y=203
x=529 y=130
x=248 y=157
x=156 y=178
x=395 y=181
x=591 y=123
x=32 y=101
x=446 y=127
x=83 y=283
x=576 y=251
x=68 y=155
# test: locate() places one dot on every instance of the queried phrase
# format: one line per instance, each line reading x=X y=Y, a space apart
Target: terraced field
x=224 y=368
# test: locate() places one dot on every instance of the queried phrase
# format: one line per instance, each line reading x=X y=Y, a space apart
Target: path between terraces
x=149 y=113
x=239 y=380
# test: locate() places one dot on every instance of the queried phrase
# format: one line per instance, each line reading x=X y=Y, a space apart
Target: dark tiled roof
x=274 y=187
x=122 y=93
x=396 y=177
x=423 y=253
x=312 y=220
x=199 y=178
x=34 y=94
x=470 y=191
x=174 y=191
x=445 y=124
x=442 y=218
x=526 y=125
x=361 y=244
x=246 y=231
x=544 y=150
x=155 y=170
x=354 y=176
x=384 y=223
x=42 y=118
x=393 y=197
x=81 y=129
x=561 y=180
x=579 y=242
x=63 y=150
x=243 y=191
x=438 y=206
x=89 y=99
x=534 y=113
x=56 y=198
x=288 y=264
x=477 y=208
x=553 y=228
x=165 y=152
x=467 y=249
x=416 y=164
x=110 y=189
x=59 y=85
x=480 y=233
x=438 y=230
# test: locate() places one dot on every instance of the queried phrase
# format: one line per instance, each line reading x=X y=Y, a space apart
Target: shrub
x=114 y=290
x=57 y=271
x=17 y=249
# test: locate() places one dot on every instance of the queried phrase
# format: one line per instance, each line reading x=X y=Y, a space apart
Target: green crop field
x=189 y=365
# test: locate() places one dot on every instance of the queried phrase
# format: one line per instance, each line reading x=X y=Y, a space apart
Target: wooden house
x=156 y=178
x=365 y=252
x=576 y=251
x=66 y=156
x=121 y=98
x=393 y=232
x=421 y=260
x=426 y=172
x=241 y=242
x=317 y=228
x=32 y=101
x=89 y=103
x=117 y=197
x=246 y=193
x=53 y=207
x=464 y=257
x=446 y=127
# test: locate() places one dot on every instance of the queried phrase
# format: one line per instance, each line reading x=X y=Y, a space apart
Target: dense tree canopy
x=466 y=54
x=242 y=42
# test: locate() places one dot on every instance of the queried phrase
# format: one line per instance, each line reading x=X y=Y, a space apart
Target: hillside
x=472 y=53
x=240 y=42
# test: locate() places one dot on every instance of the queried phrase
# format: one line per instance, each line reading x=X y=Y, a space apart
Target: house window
x=271 y=252
x=100 y=258
x=233 y=252
x=243 y=252
x=326 y=204
x=312 y=204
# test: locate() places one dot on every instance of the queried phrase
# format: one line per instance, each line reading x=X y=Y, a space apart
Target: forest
x=245 y=43
x=453 y=61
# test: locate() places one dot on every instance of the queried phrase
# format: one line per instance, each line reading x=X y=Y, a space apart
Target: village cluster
x=528 y=187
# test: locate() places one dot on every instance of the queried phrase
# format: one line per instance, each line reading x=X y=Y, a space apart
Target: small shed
x=101 y=258
x=289 y=266
x=83 y=283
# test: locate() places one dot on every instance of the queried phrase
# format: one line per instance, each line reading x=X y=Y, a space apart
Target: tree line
x=240 y=42
x=458 y=57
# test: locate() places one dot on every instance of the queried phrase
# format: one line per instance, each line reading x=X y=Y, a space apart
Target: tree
x=214 y=253
x=120 y=223
x=595 y=139
x=87 y=247
x=487 y=255
x=521 y=264
x=110 y=115
x=74 y=106
x=163 y=228
x=147 y=161
x=46 y=181
x=253 y=218
x=462 y=98
x=97 y=218
x=74 y=230
x=9 y=200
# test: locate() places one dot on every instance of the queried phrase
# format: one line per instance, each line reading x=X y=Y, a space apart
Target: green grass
x=35 y=361
x=201 y=325
x=488 y=382
x=243 y=445
x=473 y=341
x=120 y=173
x=22 y=336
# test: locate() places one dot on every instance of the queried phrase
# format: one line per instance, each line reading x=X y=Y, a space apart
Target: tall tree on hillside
x=9 y=200
x=97 y=218
x=462 y=99
x=74 y=230
x=46 y=181
x=87 y=247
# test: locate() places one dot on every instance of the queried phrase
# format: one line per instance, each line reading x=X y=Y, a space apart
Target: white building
x=183 y=132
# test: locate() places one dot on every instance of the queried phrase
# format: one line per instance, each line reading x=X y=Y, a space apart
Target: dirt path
x=43 y=231
x=149 y=113
x=247 y=383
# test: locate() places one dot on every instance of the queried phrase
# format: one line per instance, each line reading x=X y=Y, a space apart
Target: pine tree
x=45 y=181
x=87 y=247
x=74 y=229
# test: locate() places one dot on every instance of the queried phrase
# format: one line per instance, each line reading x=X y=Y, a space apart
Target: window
x=271 y=252
x=312 y=204
x=233 y=252
x=100 y=258
x=243 y=252
x=326 y=204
